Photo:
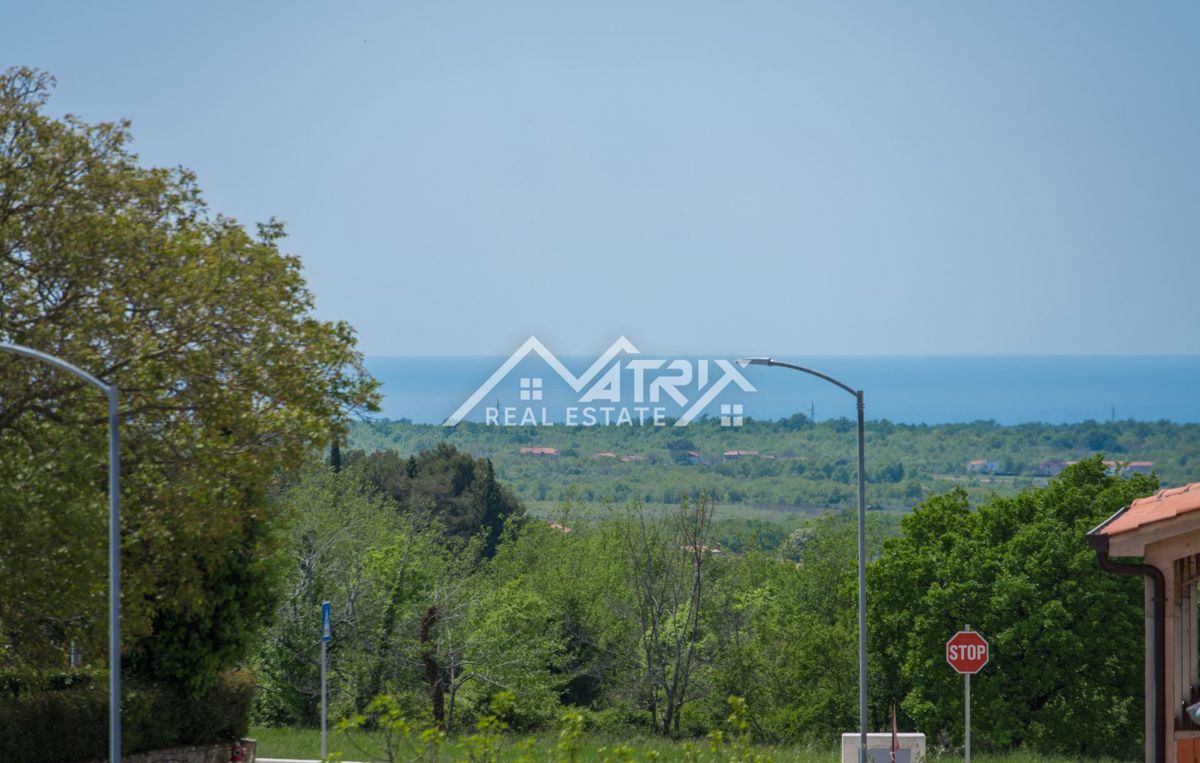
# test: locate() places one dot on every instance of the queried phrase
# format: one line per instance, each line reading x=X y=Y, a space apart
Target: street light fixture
x=862 y=539
x=114 y=538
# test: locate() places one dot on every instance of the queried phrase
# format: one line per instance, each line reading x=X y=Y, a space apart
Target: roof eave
x=1096 y=537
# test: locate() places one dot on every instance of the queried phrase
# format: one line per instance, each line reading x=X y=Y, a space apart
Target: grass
x=306 y=744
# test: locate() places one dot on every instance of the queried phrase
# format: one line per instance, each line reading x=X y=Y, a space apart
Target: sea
x=902 y=389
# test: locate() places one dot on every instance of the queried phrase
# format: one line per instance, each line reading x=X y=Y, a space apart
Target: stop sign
x=967 y=652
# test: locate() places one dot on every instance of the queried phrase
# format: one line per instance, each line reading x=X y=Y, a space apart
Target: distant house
x=983 y=466
x=733 y=455
x=540 y=452
x=605 y=454
x=1117 y=468
x=1111 y=468
x=560 y=528
x=1124 y=469
x=627 y=459
x=1051 y=468
x=693 y=457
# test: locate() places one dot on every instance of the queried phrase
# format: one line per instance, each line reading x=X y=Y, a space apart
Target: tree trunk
x=433 y=671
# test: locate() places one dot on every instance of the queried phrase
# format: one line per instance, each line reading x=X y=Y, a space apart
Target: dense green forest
x=797 y=466
x=632 y=624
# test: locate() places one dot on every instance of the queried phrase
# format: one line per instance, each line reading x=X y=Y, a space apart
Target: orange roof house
x=551 y=452
x=1160 y=510
x=731 y=454
x=1164 y=530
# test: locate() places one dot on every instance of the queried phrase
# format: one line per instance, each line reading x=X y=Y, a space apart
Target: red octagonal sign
x=967 y=652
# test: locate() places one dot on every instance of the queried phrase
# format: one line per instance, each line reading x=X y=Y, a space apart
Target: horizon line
x=457 y=356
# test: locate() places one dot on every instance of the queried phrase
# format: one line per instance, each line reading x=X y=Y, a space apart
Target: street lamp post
x=862 y=540
x=114 y=539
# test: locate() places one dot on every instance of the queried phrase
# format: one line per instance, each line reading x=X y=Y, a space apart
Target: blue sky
x=788 y=178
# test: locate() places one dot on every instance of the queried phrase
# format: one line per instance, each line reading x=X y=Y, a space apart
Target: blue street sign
x=326 y=621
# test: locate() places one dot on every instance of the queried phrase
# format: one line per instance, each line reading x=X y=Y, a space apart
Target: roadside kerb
x=292 y=760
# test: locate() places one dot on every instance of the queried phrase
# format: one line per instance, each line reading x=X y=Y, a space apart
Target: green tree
x=666 y=560
x=784 y=631
x=499 y=636
x=1065 y=637
x=226 y=381
x=573 y=567
x=460 y=492
x=418 y=616
x=348 y=545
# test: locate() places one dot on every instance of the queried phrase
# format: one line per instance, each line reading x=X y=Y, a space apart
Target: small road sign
x=967 y=652
x=326 y=637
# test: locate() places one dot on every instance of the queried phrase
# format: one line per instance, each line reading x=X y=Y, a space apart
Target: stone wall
x=206 y=753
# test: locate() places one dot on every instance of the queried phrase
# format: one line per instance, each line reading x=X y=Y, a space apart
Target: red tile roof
x=1165 y=504
x=539 y=451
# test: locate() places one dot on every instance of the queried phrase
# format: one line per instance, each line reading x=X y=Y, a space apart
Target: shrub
x=617 y=721
x=61 y=716
x=16 y=682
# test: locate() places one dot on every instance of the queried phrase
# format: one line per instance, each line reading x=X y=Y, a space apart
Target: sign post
x=326 y=637
x=967 y=652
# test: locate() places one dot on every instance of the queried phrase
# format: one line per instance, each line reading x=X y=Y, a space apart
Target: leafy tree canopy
x=225 y=377
x=1065 y=637
x=460 y=492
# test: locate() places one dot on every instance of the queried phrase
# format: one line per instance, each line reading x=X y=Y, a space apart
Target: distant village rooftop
x=739 y=453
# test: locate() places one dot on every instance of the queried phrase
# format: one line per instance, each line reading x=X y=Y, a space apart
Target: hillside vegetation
x=634 y=625
x=795 y=465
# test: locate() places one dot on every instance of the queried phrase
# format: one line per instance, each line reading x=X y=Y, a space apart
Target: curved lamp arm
x=743 y=362
x=862 y=538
